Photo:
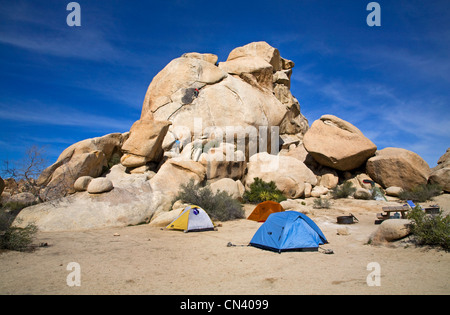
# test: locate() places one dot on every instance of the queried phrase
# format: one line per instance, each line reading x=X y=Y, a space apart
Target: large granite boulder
x=391 y=230
x=398 y=167
x=144 y=143
x=335 y=143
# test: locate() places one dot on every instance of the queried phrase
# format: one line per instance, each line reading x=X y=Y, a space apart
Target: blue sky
x=61 y=84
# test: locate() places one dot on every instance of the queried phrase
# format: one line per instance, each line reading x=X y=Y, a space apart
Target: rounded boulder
x=336 y=143
x=99 y=186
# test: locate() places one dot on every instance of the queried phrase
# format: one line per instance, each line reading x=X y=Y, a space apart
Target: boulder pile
x=219 y=123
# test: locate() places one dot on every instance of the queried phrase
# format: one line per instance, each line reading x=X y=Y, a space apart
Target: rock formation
x=250 y=89
x=129 y=203
x=86 y=158
x=214 y=123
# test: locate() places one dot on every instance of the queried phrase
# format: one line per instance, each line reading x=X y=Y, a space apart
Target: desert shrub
x=261 y=191
x=431 y=230
x=322 y=203
x=115 y=159
x=377 y=192
x=421 y=193
x=14 y=238
x=220 y=206
x=344 y=190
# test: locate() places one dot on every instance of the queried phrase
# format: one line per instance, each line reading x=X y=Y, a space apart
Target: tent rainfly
x=264 y=209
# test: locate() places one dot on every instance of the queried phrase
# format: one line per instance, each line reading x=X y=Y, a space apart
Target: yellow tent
x=192 y=219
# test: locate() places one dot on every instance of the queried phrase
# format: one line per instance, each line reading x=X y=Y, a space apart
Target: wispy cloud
x=118 y=73
x=63 y=44
x=26 y=25
x=426 y=65
x=52 y=115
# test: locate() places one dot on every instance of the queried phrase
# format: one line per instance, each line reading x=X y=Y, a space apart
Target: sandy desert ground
x=150 y=260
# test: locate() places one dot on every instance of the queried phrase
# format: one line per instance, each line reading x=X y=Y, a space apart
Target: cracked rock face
x=250 y=89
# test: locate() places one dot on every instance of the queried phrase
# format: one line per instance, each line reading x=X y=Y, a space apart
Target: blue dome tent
x=288 y=231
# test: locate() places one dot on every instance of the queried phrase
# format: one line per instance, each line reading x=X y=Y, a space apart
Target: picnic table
x=387 y=211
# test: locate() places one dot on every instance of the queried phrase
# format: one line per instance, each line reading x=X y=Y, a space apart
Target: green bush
x=421 y=193
x=261 y=191
x=431 y=230
x=14 y=238
x=344 y=190
x=220 y=206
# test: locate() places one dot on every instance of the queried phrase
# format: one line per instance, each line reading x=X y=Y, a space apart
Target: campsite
x=153 y=260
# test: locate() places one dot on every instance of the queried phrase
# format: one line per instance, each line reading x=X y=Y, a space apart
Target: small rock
x=317 y=191
x=393 y=191
x=228 y=185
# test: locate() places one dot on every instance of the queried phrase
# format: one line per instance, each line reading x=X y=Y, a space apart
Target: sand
x=149 y=260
